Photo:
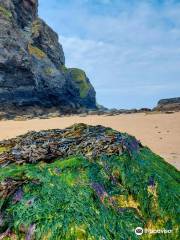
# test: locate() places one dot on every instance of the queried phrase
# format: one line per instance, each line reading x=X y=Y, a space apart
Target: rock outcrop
x=169 y=104
x=32 y=63
x=85 y=182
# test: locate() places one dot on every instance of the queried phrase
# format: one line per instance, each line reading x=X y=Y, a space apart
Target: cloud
x=131 y=52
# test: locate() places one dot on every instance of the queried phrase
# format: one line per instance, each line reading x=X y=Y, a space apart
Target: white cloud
x=132 y=56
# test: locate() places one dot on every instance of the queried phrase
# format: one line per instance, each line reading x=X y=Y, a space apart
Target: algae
x=103 y=197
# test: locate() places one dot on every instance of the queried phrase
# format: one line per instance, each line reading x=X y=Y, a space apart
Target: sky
x=130 y=49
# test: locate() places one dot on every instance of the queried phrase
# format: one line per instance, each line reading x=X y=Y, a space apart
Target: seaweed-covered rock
x=80 y=139
x=85 y=182
x=32 y=63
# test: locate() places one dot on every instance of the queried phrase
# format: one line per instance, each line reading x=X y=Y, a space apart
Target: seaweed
x=102 y=197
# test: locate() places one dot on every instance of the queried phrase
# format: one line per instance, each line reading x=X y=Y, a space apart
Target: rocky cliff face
x=32 y=63
x=169 y=104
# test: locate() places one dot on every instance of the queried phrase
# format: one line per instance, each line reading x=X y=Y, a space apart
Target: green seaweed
x=64 y=205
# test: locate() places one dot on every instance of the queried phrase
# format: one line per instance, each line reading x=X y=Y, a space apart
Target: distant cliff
x=169 y=104
x=32 y=63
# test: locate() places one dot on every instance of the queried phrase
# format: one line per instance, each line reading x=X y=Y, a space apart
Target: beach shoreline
x=160 y=132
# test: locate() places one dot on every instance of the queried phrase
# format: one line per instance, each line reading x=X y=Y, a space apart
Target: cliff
x=169 y=104
x=32 y=63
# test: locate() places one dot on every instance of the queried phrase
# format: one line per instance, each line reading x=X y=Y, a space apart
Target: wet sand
x=160 y=132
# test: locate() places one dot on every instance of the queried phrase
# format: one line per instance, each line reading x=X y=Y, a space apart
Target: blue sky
x=130 y=49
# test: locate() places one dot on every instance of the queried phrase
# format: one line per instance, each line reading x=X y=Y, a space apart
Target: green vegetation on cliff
x=63 y=68
x=84 y=197
x=5 y=13
x=79 y=77
x=36 y=26
x=38 y=53
x=49 y=71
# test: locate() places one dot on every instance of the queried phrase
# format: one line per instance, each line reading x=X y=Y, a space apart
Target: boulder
x=85 y=182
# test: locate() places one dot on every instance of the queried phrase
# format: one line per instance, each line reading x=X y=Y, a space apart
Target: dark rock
x=32 y=63
x=30 y=232
x=18 y=196
x=100 y=191
x=5 y=234
x=168 y=105
x=10 y=186
x=101 y=107
x=151 y=182
x=144 y=110
x=114 y=111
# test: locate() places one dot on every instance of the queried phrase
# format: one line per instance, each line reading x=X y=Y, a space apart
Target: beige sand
x=160 y=132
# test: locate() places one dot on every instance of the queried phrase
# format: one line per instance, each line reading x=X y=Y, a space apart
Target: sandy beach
x=160 y=132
